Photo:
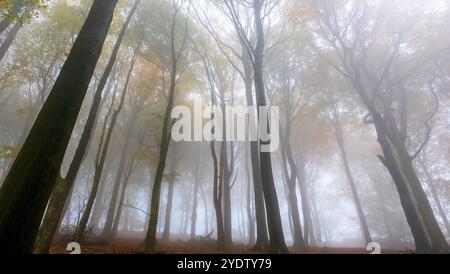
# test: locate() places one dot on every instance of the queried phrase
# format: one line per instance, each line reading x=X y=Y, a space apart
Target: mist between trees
x=357 y=152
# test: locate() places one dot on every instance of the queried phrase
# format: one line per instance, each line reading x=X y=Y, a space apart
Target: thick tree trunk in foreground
x=63 y=188
x=27 y=187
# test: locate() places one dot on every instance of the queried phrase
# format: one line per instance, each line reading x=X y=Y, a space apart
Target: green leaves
x=23 y=10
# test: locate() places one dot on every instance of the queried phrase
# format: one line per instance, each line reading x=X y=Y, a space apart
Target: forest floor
x=135 y=246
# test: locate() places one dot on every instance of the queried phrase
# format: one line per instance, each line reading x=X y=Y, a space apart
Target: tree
x=371 y=83
x=333 y=116
x=256 y=52
x=175 y=55
x=61 y=192
x=29 y=183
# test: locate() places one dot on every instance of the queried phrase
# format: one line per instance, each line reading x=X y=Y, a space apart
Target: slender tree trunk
x=291 y=177
x=217 y=199
x=262 y=238
x=166 y=232
x=277 y=243
x=205 y=205
x=165 y=142
x=340 y=140
x=194 y=210
x=248 y=192
x=226 y=184
x=27 y=187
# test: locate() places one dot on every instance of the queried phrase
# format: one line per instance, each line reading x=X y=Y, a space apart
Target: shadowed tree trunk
x=27 y=187
x=290 y=179
x=169 y=207
x=150 y=242
x=262 y=239
x=334 y=119
x=277 y=243
x=249 y=196
x=168 y=215
x=61 y=192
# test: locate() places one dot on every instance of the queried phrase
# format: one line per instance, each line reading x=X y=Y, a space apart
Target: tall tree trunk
x=194 y=210
x=165 y=140
x=61 y=193
x=27 y=187
x=388 y=159
x=248 y=192
x=217 y=198
x=277 y=243
x=262 y=238
x=224 y=176
x=291 y=177
x=340 y=140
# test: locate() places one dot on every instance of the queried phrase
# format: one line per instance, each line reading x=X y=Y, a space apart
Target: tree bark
x=27 y=187
x=165 y=142
x=62 y=192
x=277 y=243
x=166 y=232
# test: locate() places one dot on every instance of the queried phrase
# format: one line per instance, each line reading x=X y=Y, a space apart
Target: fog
x=362 y=135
